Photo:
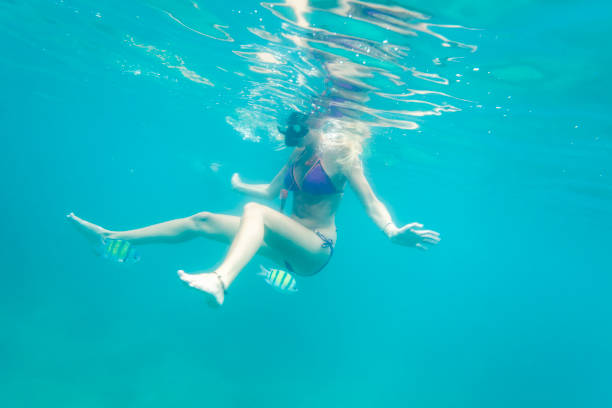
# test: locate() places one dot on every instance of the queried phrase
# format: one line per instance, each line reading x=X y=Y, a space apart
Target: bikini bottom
x=327 y=243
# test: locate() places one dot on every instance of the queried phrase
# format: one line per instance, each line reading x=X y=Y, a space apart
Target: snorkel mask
x=295 y=129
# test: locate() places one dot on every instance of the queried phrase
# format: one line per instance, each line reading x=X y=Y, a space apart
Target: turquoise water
x=130 y=113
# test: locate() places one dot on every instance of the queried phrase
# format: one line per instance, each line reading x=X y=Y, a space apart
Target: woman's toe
x=184 y=276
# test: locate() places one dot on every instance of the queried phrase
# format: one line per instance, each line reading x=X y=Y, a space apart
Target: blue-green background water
x=511 y=309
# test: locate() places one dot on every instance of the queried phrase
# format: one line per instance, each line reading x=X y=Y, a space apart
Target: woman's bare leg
x=219 y=227
x=260 y=230
x=90 y=231
x=259 y=226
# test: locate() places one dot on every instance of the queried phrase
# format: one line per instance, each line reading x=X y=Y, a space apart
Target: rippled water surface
x=489 y=123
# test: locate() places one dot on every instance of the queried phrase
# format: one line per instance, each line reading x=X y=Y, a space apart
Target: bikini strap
x=327 y=242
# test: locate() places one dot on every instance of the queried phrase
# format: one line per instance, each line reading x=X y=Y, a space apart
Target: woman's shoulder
x=335 y=164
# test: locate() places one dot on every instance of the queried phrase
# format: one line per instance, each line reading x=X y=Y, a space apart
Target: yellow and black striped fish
x=278 y=279
x=118 y=250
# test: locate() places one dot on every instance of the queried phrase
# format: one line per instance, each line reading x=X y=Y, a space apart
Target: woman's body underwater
x=302 y=242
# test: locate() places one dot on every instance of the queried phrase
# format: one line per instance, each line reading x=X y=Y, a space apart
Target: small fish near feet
x=118 y=250
x=280 y=280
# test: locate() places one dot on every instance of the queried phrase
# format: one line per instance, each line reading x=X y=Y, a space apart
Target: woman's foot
x=206 y=282
x=92 y=232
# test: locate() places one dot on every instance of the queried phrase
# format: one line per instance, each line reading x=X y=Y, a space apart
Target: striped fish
x=277 y=278
x=118 y=250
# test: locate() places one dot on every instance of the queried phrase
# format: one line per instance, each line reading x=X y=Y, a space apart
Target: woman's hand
x=255 y=190
x=410 y=236
x=236 y=181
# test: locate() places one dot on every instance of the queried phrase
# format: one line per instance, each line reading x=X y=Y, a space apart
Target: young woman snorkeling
x=323 y=161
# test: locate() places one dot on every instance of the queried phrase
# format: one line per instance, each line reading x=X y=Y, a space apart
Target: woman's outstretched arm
x=407 y=235
x=268 y=191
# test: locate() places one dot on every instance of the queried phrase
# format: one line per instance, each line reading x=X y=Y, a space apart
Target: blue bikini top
x=315 y=180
